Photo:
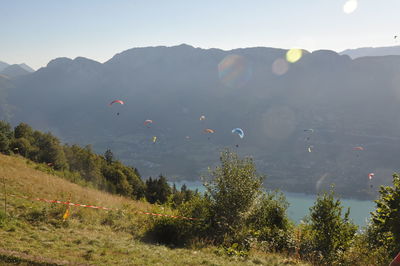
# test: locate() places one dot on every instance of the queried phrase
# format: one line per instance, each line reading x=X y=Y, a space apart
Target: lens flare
x=294 y=55
x=350 y=6
x=234 y=71
x=280 y=66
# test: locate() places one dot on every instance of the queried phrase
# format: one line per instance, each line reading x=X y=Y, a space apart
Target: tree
x=332 y=233
x=384 y=229
x=21 y=146
x=157 y=190
x=109 y=156
x=6 y=135
x=118 y=179
x=233 y=189
x=270 y=223
x=23 y=131
x=50 y=150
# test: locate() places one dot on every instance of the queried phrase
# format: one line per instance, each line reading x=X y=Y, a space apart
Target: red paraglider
x=116 y=101
x=148 y=122
x=370 y=176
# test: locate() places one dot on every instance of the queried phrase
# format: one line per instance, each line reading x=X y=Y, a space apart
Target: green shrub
x=233 y=189
x=327 y=234
x=384 y=230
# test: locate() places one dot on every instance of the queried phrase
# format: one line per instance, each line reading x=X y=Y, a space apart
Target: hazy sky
x=36 y=31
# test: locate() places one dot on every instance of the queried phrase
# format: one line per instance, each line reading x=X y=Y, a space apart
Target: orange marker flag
x=66 y=214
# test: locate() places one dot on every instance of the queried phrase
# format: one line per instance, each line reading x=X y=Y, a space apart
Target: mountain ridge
x=173 y=86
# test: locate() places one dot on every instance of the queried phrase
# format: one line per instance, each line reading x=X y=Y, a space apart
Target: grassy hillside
x=34 y=233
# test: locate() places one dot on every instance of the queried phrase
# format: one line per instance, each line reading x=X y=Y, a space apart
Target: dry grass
x=21 y=177
x=34 y=234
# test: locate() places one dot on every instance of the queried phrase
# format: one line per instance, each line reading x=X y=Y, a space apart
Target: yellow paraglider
x=154 y=139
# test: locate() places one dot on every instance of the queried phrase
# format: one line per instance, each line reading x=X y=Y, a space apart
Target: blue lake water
x=299 y=204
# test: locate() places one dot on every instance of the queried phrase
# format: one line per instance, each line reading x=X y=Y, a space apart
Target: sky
x=35 y=32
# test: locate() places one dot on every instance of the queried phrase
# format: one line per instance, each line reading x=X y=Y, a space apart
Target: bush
x=384 y=230
x=270 y=223
x=330 y=234
x=233 y=189
x=180 y=232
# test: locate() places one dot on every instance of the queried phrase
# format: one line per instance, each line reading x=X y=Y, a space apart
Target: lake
x=299 y=204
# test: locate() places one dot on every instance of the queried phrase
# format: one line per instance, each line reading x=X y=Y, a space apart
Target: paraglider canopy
x=310 y=148
x=148 y=122
x=116 y=101
x=207 y=131
x=371 y=175
x=154 y=139
x=238 y=131
x=202 y=118
x=309 y=130
x=358 y=148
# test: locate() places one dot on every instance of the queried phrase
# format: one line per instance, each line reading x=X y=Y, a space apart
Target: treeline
x=82 y=165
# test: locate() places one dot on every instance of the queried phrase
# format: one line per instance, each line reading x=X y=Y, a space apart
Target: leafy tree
x=332 y=234
x=157 y=190
x=137 y=185
x=233 y=190
x=6 y=135
x=384 y=230
x=270 y=223
x=118 y=180
x=50 y=151
x=23 y=131
x=22 y=146
x=109 y=156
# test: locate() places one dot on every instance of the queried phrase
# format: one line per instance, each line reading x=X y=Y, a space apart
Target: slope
x=34 y=232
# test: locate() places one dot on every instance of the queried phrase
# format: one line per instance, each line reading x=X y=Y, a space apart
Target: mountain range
x=346 y=102
x=15 y=70
x=372 y=51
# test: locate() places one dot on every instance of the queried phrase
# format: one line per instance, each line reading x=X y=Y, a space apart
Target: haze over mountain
x=3 y=65
x=13 y=71
x=347 y=102
x=372 y=51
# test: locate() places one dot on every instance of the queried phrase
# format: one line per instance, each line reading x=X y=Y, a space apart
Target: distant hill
x=3 y=65
x=347 y=102
x=13 y=71
x=372 y=51
x=26 y=67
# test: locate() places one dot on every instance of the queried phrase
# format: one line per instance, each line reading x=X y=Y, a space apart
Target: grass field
x=34 y=233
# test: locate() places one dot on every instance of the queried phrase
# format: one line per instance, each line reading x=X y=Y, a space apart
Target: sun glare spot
x=294 y=55
x=350 y=6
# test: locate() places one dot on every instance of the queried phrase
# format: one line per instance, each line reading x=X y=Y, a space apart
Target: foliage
x=157 y=190
x=177 y=197
x=384 y=230
x=233 y=190
x=329 y=234
x=5 y=137
x=179 y=232
x=77 y=164
x=270 y=224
